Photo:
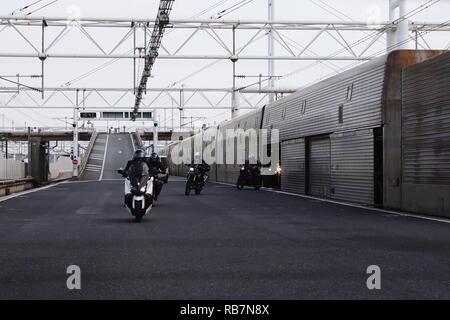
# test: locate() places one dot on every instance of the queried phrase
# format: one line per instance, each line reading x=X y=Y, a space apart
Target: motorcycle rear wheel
x=258 y=184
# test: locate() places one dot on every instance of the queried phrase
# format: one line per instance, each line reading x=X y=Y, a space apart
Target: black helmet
x=154 y=156
x=139 y=154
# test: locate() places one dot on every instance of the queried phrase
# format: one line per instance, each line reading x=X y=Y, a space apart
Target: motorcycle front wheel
x=188 y=188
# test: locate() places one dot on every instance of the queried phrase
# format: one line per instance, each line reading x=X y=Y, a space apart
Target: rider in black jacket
x=138 y=156
x=153 y=164
x=202 y=167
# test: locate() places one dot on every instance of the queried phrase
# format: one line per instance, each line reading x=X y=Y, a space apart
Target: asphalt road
x=119 y=151
x=224 y=243
x=118 y=148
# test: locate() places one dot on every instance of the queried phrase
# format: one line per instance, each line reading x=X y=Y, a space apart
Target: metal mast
x=270 y=53
x=398 y=35
x=161 y=22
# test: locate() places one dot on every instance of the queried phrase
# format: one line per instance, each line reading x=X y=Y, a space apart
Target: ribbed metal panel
x=319 y=162
x=252 y=120
x=426 y=122
x=314 y=110
x=293 y=166
x=352 y=166
x=426 y=137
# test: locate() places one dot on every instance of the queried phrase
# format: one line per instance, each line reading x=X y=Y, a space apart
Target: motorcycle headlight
x=191 y=169
x=152 y=178
x=143 y=189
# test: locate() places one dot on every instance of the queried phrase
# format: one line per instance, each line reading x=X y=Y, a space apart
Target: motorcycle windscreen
x=138 y=174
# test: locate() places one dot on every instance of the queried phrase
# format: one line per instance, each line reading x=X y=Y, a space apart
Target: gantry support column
x=39 y=160
x=398 y=36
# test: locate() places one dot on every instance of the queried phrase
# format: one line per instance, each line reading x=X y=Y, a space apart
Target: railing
x=85 y=159
x=165 y=129
x=44 y=129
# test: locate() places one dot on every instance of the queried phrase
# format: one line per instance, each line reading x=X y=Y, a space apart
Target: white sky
x=120 y=74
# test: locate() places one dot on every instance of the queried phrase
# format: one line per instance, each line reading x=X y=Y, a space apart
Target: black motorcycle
x=249 y=176
x=196 y=179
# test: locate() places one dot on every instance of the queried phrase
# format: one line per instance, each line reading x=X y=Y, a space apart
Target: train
x=376 y=135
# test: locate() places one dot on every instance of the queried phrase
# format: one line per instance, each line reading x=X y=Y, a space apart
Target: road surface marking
x=104 y=158
x=132 y=142
x=403 y=214
x=15 y=195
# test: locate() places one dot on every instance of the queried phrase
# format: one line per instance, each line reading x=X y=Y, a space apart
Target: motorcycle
x=195 y=180
x=138 y=194
x=249 y=177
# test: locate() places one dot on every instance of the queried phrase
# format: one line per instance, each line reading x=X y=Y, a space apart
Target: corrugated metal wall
x=293 y=166
x=352 y=166
x=314 y=110
x=426 y=137
x=319 y=167
x=252 y=120
x=11 y=169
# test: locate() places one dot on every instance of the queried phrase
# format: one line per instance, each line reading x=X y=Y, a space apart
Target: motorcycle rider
x=155 y=165
x=138 y=157
x=251 y=161
x=250 y=173
x=152 y=166
x=200 y=165
x=135 y=168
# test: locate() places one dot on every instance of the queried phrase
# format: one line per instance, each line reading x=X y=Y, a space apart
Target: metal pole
x=172 y=117
x=155 y=132
x=29 y=152
x=398 y=39
x=181 y=106
x=42 y=59
x=416 y=40
x=270 y=51
x=403 y=26
x=134 y=59
x=75 y=136
x=234 y=59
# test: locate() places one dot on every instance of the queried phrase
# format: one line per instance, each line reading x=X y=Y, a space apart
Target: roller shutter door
x=352 y=166
x=426 y=137
x=319 y=167
x=293 y=166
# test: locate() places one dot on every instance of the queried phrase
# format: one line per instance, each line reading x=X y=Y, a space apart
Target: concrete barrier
x=8 y=187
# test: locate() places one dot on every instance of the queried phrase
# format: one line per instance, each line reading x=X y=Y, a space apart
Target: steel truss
x=152 y=51
x=130 y=43
x=134 y=27
x=211 y=98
